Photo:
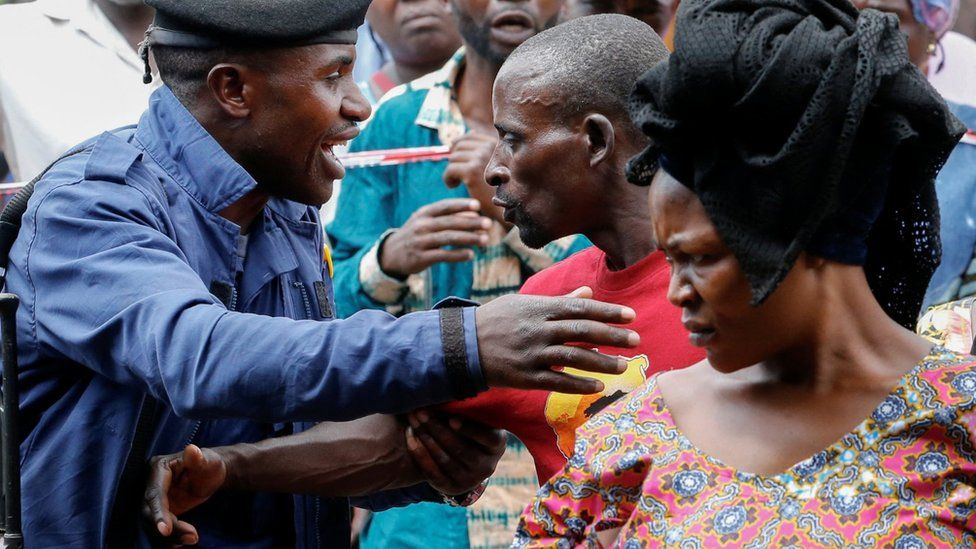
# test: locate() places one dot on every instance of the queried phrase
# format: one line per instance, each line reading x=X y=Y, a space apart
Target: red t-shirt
x=546 y=422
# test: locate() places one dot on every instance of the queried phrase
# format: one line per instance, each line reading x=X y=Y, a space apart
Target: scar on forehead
x=522 y=84
x=534 y=97
x=524 y=92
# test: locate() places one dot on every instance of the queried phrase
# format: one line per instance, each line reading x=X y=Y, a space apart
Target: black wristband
x=456 y=353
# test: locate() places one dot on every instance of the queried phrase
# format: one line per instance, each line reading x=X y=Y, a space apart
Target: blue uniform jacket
x=130 y=283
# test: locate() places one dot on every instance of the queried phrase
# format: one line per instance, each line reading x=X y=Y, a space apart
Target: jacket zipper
x=317 y=527
x=232 y=306
x=306 y=302
x=193 y=434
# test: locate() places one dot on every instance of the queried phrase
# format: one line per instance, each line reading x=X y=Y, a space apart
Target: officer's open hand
x=422 y=240
x=454 y=456
x=522 y=340
x=178 y=483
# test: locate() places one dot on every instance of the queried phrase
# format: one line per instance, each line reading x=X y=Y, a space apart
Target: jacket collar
x=440 y=110
x=194 y=159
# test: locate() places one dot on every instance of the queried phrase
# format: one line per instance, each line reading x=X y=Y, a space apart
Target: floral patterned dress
x=905 y=478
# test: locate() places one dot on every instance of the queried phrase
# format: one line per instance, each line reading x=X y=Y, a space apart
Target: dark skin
x=556 y=176
x=368 y=455
x=500 y=26
x=309 y=102
x=510 y=24
x=420 y=35
x=827 y=354
x=277 y=114
x=280 y=123
x=131 y=20
x=782 y=380
x=654 y=13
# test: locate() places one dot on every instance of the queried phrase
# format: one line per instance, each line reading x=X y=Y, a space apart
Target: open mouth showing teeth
x=329 y=148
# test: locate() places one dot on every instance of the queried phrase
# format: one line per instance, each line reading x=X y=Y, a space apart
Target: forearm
x=347 y=459
x=147 y=320
x=211 y=363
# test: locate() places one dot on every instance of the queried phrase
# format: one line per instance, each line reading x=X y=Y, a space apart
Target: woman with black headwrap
x=796 y=204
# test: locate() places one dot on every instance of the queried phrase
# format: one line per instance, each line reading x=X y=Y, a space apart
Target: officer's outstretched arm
x=103 y=285
x=332 y=459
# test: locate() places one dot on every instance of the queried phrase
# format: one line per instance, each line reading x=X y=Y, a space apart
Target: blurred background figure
x=951 y=70
x=946 y=57
x=370 y=53
x=419 y=36
x=68 y=70
x=5 y=175
x=656 y=13
x=966 y=24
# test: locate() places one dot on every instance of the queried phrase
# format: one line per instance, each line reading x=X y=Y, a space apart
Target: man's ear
x=231 y=85
x=600 y=138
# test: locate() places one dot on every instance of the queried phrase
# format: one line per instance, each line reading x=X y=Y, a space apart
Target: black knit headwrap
x=802 y=125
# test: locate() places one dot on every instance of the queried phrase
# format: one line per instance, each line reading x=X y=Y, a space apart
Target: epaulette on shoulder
x=111 y=158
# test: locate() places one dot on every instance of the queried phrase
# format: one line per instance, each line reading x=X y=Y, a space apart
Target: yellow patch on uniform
x=565 y=413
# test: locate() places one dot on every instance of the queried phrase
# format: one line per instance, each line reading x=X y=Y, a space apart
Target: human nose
x=496 y=173
x=355 y=106
x=681 y=292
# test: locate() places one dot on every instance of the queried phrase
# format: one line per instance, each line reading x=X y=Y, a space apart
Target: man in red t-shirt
x=565 y=138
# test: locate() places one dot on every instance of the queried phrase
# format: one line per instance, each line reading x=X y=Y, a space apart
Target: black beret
x=210 y=24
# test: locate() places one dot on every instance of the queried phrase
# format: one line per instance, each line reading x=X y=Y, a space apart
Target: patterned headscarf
x=937 y=15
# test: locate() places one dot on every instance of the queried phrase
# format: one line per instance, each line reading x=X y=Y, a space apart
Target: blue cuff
x=471 y=345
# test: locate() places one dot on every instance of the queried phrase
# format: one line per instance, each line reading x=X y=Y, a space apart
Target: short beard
x=478 y=39
x=532 y=234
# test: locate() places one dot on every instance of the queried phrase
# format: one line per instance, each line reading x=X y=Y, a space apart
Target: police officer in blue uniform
x=176 y=266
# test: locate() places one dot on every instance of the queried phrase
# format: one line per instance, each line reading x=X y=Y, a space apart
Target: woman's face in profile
x=712 y=290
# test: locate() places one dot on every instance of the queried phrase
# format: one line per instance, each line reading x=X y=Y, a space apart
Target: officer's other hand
x=523 y=340
x=466 y=166
x=178 y=483
x=454 y=456
x=422 y=240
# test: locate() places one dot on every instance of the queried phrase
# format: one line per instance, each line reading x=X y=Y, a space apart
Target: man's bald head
x=560 y=108
x=587 y=64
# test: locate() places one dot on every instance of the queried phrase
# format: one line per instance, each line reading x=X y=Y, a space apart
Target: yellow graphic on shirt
x=565 y=413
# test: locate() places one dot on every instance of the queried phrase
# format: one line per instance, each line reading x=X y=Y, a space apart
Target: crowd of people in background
x=759 y=205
